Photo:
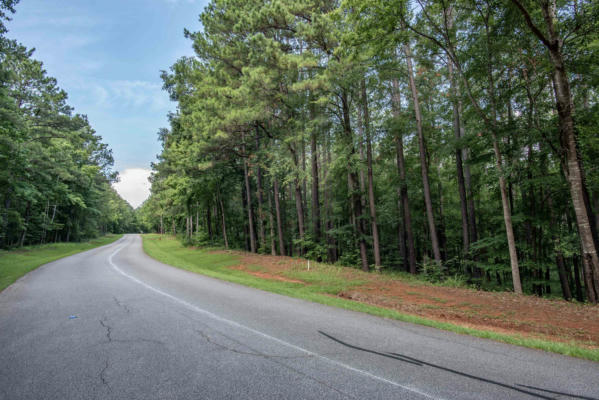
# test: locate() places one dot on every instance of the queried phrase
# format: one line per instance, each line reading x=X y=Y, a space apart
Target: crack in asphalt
x=121 y=304
x=103 y=376
x=108 y=329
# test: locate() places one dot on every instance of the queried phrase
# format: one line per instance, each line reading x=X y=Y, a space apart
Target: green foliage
x=55 y=176
x=431 y=272
x=273 y=85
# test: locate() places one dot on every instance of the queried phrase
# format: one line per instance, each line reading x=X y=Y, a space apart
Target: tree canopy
x=55 y=171
x=437 y=137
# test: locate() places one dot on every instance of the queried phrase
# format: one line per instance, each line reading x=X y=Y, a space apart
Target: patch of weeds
x=439 y=300
x=493 y=317
x=429 y=307
x=455 y=281
x=323 y=279
x=255 y=268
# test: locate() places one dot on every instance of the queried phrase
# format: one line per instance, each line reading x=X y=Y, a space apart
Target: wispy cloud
x=130 y=93
x=99 y=94
x=90 y=65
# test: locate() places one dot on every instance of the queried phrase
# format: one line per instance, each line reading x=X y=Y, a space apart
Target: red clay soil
x=503 y=312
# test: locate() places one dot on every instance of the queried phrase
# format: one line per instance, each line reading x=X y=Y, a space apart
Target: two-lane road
x=114 y=323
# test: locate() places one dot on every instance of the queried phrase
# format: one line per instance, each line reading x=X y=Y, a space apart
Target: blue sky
x=107 y=55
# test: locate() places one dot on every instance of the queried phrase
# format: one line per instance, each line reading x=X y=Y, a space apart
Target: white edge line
x=267 y=336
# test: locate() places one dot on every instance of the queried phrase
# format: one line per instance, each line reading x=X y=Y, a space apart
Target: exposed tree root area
x=529 y=316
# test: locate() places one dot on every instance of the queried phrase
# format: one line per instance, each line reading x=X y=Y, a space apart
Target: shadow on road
x=420 y=363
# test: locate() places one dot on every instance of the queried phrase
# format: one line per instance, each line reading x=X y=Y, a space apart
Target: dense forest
x=55 y=172
x=434 y=137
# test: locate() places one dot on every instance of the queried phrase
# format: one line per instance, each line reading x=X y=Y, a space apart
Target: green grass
x=16 y=263
x=323 y=283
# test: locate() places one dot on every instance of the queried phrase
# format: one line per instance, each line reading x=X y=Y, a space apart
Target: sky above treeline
x=107 y=55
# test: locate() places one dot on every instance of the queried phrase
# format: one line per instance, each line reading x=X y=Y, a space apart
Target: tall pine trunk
x=197 y=217
x=260 y=196
x=457 y=131
x=299 y=206
x=423 y=164
x=273 y=247
x=371 y=200
x=297 y=194
x=246 y=232
x=5 y=236
x=26 y=225
x=248 y=193
x=331 y=243
x=559 y=256
x=505 y=198
x=353 y=182
x=572 y=167
x=403 y=186
x=223 y=220
x=472 y=228
x=316 y=221
x=316 y=226
x=304 y=181
x=458 y=160
x=279 y=220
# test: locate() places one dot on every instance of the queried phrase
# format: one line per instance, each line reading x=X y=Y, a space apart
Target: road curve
x=112 y=323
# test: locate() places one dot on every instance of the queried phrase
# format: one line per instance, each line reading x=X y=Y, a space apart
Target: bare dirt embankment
x=528 y=316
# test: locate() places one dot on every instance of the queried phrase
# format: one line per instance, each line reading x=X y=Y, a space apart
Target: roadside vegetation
x=16 y=263
x=454 y=140
x=55 y=171
x=550 y=325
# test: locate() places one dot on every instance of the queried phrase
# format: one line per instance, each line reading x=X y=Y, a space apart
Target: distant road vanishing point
x=112 y=323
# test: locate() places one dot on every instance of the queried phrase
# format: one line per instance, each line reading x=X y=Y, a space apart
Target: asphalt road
x=112 y=323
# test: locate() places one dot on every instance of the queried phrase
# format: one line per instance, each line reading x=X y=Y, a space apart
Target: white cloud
x=133 y=185
x=140 y=93
x=99 y=94
x=90 y=65
x=129 y=93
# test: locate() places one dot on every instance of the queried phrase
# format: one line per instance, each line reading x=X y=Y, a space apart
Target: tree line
x=55 y=172
x=435 y=137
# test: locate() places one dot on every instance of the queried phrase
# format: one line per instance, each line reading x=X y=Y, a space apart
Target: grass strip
x=16 y=263
x=323 y=284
